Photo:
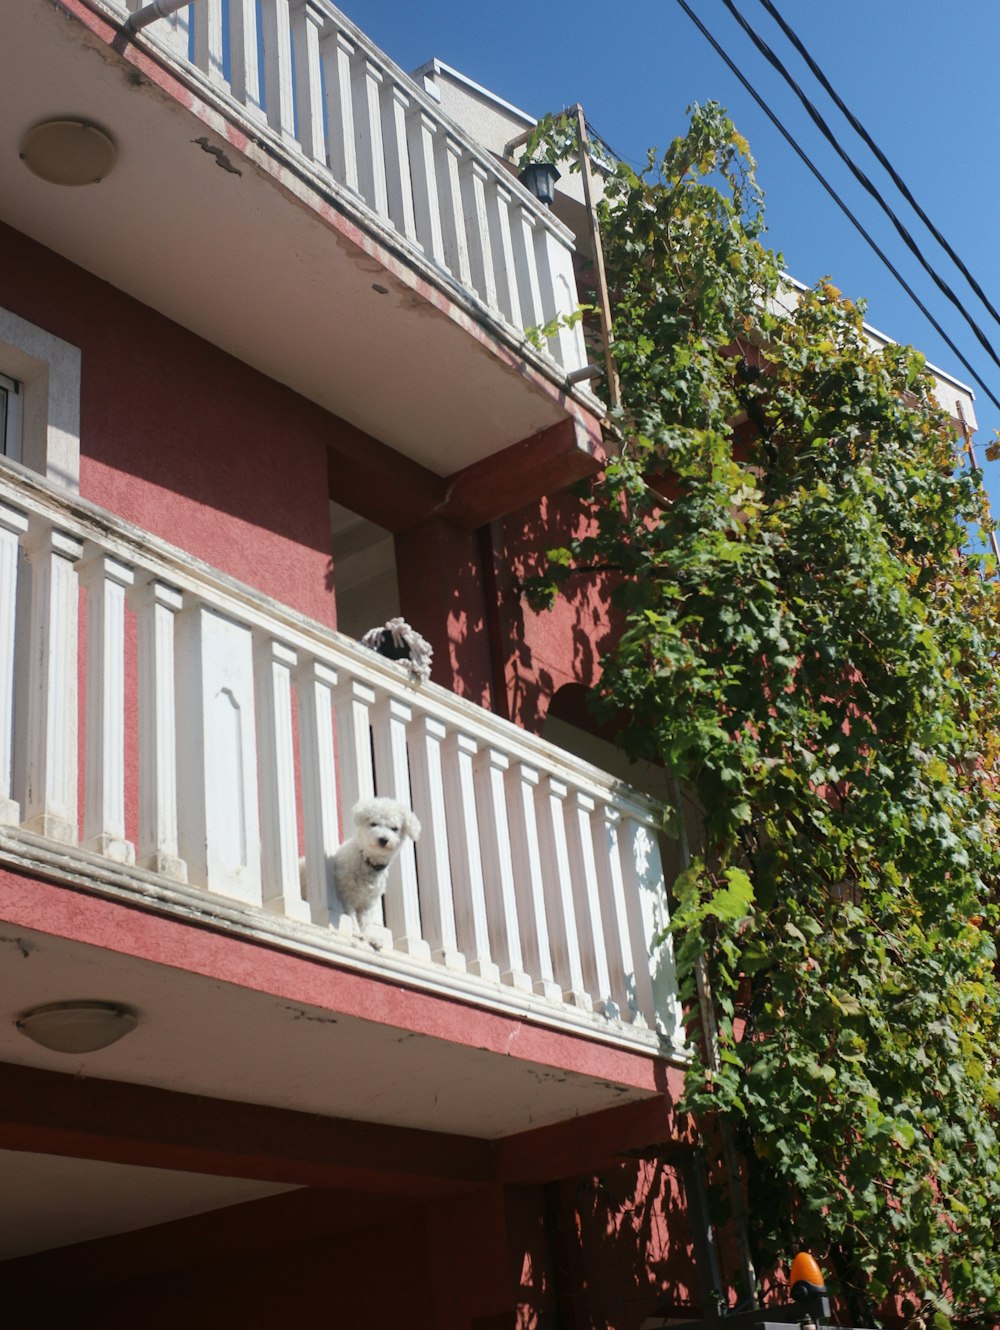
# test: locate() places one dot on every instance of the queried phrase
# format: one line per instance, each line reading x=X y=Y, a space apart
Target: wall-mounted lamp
x=68 y=152
x=78 y=1027
x=540 y=178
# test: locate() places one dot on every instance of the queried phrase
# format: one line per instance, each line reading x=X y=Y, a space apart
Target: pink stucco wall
x=184 y=440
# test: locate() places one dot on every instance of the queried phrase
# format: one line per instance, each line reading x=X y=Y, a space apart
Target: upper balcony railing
x=224 y=737
x=302 y=73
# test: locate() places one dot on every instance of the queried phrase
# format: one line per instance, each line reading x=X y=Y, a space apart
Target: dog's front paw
x=377 y=936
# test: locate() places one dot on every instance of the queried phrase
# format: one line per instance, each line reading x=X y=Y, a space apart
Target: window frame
x=13 y=393
x=48 y=372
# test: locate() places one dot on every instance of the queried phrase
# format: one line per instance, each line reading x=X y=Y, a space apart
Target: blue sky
x=920 y=76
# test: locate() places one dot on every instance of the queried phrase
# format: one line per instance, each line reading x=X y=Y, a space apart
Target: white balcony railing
x=225 y=736
x=305 y=76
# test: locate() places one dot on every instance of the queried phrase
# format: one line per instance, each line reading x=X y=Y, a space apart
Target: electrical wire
x=808 y=163
x=880 y=156
x=863 y=180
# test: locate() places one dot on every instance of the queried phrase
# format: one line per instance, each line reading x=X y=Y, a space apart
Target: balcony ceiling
x=204 y=1037
x=249 y=258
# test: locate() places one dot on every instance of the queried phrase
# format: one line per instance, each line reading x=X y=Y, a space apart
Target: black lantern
x=540 y=178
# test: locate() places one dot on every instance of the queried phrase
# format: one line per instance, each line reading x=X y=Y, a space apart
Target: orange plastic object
x=806 y=1271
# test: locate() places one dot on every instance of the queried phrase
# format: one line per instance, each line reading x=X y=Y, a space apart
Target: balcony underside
x=238 y=241
x=253 y=1071
x=295 y=1034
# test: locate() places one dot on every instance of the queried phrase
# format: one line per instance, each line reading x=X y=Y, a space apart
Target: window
x=40 y=400
x=10 y=418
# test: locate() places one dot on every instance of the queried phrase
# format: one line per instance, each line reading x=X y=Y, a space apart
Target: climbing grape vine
x=810 y=646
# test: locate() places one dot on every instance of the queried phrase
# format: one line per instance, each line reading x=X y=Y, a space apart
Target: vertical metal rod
x=603 y=299
x=710 y=1033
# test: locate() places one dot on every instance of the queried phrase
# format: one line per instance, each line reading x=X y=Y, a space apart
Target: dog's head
x=381 y=826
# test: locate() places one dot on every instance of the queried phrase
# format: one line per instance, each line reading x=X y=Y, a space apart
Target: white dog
x=361 y=865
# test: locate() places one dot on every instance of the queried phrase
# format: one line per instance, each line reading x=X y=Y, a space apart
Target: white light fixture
x=78 y=1027
x=68 y=152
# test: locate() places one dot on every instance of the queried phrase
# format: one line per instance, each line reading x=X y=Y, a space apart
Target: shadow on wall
x=443 y=593
x=622 y=1252
x=542 y=651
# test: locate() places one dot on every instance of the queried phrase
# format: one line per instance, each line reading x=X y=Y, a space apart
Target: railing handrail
x=87 y=521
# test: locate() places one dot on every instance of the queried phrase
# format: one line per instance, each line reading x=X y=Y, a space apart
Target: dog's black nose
x=383 y=840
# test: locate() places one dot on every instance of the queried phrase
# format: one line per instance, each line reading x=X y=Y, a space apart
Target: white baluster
x=546 y=286
x=524 y=224
x=207 y=20
x=307 y=27
x=321 y=824
x=279 y=831
x=463 y=844
x=498 y=872
x=156 y=606
x=244 y=61
x=437 y=909
x=559 y=904
x=474 y=177
x=13 y=525
x=645 y=898
x=174 y=31
x=421 y=131
x=558 y=292
x=367 y=87
x=279 y=91
x=569 y=347
x=630 y=988
x=456 y=248
x=399 y=190
x=579 y=809
x=498 y=203
x=390 y=719
x=51 y=779
x=337 y=53
x=217 y=798
x=522 y=782
x=105 y=581
x=353 y=702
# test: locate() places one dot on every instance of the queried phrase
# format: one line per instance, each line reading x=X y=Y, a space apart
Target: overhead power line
x=868 y=239
x=863 y=179
x=894 y=175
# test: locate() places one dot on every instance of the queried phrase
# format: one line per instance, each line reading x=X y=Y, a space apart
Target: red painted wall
x=184 y=440
x=593 y=1253
x=544 y=650
x=360 y=1264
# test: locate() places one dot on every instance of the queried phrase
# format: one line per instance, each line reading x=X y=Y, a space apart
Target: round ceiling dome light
x=78 y=1027
x=68 y=152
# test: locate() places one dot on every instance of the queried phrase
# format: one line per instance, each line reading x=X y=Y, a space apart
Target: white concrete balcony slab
x=288 y=193
x=224 y=736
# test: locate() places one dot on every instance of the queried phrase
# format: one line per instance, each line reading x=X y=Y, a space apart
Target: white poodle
x=361 y=865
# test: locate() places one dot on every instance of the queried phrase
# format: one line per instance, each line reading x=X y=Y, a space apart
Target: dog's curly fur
x=361 y=865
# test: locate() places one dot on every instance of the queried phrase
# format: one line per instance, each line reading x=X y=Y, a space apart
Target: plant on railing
x=812 y=649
